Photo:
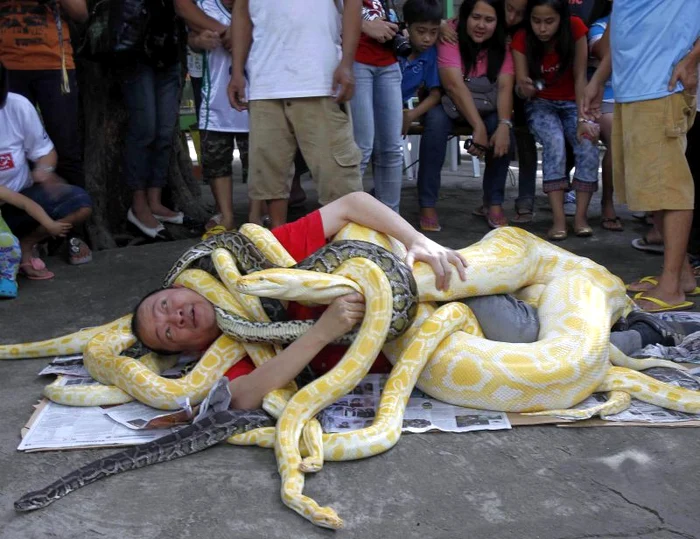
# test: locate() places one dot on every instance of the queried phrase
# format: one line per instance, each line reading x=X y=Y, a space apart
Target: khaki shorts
x=650 y=171
x=321 y=129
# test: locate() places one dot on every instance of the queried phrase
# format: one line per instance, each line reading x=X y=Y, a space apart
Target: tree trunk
x=104 y=126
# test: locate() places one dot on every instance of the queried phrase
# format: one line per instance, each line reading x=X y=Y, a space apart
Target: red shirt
x=302 y=238
x=369 y=50
x=557 y=87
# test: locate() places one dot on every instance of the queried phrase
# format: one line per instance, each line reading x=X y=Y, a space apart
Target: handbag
x=484 y=92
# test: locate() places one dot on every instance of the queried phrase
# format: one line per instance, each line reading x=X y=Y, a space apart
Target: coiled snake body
x=443 y=350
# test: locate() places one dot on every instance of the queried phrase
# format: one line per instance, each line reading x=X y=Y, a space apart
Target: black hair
x=422 y=11
x=136 y=327
x=495 y=46
x=563 y=39
x=4 y=85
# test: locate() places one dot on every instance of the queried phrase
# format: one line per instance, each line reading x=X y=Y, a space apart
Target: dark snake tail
x=186 y=441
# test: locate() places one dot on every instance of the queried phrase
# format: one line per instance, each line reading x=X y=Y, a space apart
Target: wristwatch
x=506 y=122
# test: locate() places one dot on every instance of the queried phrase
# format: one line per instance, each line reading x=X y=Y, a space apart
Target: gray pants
x=507 y=319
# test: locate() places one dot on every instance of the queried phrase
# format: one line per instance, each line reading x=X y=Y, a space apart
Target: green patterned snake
x=190 y=439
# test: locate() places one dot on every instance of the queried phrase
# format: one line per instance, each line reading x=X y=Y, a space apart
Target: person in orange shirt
x=35 y=48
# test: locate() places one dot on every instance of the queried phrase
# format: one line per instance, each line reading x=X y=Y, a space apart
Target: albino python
x=577 y=300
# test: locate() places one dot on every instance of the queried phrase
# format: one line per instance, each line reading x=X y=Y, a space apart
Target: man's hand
x=448 y=34
x=525 y=88
x=343 y=83
x=236 y=92
x=441 y=259
x=343 y=314
x=500 y=141
x=380 y=30
x=225 y=37
x=409 y=116
x=592 y=100
x=686 y=71
x=207 y=40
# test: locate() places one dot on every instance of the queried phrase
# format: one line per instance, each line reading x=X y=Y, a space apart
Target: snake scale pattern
x=188 y=440
x=443 y=350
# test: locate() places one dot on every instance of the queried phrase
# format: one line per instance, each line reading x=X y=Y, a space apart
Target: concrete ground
x=530 y=482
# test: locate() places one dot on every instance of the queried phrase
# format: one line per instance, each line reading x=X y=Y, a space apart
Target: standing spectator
x=299 y=84
x=218 y=124
x=480 y=57
x=376 y=106
x=551 y=57
x=32 y=193
x=150 y=77
x=609 y=219
x=654 y=58
x=36 y=49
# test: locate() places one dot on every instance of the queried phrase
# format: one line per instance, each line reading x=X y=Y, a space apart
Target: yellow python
x=571 y=360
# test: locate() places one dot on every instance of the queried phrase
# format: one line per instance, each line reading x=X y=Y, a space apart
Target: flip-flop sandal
x=661 y=304
x=35 y=265
x=8 y=288
x=75 y=246
x=429 y=224
x=497 y=221
x=523 y=217
x=612 y=224
x=653 y=281
x=214 y=220
x=481 y=211
x=218 y=229
x=642 y=244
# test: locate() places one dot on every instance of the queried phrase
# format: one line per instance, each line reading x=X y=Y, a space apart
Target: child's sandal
x=8 y=288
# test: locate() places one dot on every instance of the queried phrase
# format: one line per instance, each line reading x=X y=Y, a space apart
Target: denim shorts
x=58 y=201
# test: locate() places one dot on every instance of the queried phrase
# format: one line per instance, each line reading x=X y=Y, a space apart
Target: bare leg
x=222 y=189
x=278 y=211
x=583 y=200
x=556 y=201
x=153 y=195
x=676 y=274
x=142 y=209
x=607 y=203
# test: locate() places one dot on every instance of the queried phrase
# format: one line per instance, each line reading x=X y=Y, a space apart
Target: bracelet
x=586 y=121
x=47 y=168
x=506 y=121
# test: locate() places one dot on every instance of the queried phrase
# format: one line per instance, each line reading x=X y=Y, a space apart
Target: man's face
x=177 y=320
x=515 y=12
x=423 y=35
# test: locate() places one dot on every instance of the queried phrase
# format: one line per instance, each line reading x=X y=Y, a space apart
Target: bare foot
x=159 y=209
x=145 y=216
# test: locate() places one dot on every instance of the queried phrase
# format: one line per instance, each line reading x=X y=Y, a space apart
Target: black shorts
x=217 y=153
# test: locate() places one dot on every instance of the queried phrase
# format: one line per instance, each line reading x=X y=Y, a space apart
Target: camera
x=538 y=84
x=400 y=44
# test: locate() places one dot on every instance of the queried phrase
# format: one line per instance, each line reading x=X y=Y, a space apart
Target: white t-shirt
x=216 y=112
x=22 y=137
x=296 y=48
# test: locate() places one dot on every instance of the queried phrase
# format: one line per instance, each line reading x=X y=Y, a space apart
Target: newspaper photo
x=358 y=409
x=66 y=365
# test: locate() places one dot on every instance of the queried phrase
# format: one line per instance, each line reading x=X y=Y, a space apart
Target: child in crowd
x=220 y=126
x=419 y=71
x=10 y=252
x=551 y=56
x=609 y=220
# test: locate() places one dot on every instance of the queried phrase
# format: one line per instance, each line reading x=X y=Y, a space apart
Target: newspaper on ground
x=66 y=365
x=358 y=409
x=643 y=412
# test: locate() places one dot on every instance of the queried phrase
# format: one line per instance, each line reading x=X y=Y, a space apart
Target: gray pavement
x=530 y=482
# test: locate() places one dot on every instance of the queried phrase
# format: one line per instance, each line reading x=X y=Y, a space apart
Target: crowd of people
x=333 y=85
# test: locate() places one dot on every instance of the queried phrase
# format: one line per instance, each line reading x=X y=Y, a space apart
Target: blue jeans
x=553 y=123
x=377 y=116
x=151 y=97
x=437 y=127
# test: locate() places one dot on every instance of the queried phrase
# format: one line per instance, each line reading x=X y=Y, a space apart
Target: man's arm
x=686 y=71
x=592 y=98
x=365 y=210
x=343 y=78
x=75 y=9
x=341 y=316
x=196 y=19
x=242 y=38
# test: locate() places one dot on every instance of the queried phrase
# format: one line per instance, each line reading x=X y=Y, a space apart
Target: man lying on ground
x=181 y=320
